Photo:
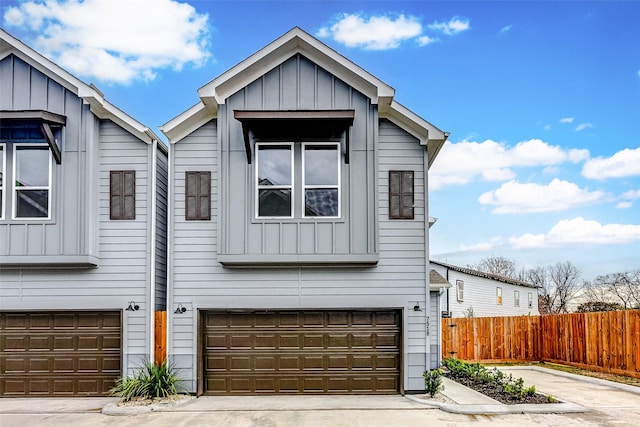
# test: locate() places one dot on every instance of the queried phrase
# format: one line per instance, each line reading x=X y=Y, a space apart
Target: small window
x=275 y=180
x=530 y=300
x=499 y=296
x=321 y=180
x=198 y=195
x=460 y=290
x=32 y=181
x=516 y=298
x=2 y=180
x=122 y=203
x=400 y=194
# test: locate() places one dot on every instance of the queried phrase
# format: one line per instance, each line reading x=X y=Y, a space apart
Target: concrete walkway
x=607 y=404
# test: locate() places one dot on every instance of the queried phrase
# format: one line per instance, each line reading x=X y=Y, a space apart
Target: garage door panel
x=59 y=354
x=345 y=351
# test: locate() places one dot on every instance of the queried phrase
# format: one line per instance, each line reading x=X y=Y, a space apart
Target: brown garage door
x=301 y=352
x=59 y=353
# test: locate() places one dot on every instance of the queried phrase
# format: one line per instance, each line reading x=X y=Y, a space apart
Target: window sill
x=45 y=261
x=342 y=260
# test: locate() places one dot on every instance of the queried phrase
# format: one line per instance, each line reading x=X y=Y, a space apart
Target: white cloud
x=547 y=127
x=514 y=197
x=375 y=32
x=454 y=26
x=462 y=162
x=631 y=195
x=116 y=41
x=583 y=126
x=386 y=31
x=566 y=120
x=505 y=29
x=624 y=205
x=622 y=164
x=579 y=231
x=425 y=40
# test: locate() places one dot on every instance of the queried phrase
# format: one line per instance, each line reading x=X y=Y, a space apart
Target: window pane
x=321 y=165
x=321 y=202
x=274 y=203
x=32 y=164
x=274 y=165
x=32 y=203
x=1 y=167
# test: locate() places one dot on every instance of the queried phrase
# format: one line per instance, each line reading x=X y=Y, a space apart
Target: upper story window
x=198 y=195
x=32 y=181
x=297 y=180
x=516 y=298
x=499 y=296
x=122 y=195
x=460 y=290
x=401 y=195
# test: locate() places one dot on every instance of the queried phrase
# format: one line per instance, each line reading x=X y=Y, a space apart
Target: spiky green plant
x=147 y=382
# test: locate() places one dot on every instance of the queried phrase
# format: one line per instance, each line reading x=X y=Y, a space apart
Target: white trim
x=291 y=187
x=38 y=187
x=152 y=263
x=89 y=93
x=327 y=186
x=3 y=172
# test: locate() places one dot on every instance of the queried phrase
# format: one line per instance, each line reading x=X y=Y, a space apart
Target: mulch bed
x=493 y=392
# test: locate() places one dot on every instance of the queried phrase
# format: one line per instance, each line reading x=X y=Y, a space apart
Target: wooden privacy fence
x=160 y=336
x=605 y=341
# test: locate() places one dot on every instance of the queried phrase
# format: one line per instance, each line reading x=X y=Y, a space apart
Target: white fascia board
x=91 y=95
x=295 y=41
x=184 y=124
x=426 y=133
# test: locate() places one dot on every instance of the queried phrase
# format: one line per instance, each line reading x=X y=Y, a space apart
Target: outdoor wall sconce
x=417 y=307
x=132 y=306
x=180 y=309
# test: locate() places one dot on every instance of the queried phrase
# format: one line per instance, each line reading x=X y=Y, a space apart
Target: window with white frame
x=516 y=298
x=3 y=168
x=499 y=296
x=32 y=181
x=530 y=300
x=460 y=290
x=297 y=180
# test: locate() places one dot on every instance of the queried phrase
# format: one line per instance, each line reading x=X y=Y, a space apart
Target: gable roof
x=482 y=274
x=103 y=109
x=297 y=41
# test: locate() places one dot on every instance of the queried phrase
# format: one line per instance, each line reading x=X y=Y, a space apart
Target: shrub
x=433 y=381
x=147 y=382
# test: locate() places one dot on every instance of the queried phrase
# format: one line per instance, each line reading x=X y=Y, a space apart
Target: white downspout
x=152 y=272
x=427 y=303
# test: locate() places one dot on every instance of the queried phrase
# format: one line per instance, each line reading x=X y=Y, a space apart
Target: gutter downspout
x=152 y=272
x=427 y=304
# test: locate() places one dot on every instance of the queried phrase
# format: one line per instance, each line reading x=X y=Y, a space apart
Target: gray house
x=82 y=232
x=298 y=230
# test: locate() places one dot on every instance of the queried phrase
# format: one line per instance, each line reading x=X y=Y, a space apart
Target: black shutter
x=197 y=195
x=122 y=195
x=401 y=194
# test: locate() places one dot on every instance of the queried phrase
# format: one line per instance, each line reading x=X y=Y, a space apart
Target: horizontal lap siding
x=123 y=272
x=200 y=282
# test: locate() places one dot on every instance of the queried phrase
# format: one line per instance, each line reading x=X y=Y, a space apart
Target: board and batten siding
x=297 y=84
x=198 y=281
x=72 y=228
x=123 y=273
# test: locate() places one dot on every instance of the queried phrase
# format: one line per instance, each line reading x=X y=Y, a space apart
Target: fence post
x=160 y=334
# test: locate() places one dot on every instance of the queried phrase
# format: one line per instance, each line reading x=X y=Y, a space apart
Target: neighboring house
x=82 y=232
x=298 y=230
x=483 y=294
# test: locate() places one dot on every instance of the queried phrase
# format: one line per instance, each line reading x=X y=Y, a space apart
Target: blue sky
x=542 y=100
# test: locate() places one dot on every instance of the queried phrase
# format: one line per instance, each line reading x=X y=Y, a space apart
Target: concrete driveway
x=609 y=404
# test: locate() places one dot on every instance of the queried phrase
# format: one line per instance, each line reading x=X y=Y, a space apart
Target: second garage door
x=255 y=352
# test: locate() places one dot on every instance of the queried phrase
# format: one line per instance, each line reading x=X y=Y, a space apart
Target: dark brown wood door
x=59 y=353
x=301 y=352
